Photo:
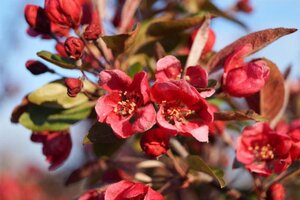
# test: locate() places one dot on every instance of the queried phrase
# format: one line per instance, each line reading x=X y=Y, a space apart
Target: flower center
x=264 y=152
x=126 y=106
x=175 y=113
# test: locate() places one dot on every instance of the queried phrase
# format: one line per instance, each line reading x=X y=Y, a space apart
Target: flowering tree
x=149 y=76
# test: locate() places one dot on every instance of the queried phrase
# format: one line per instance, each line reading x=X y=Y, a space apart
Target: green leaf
x=214 y=10
x=196 y=163
x=167 y=27
x=40 y=118
x=65 y=63
x=135 y=68
x=54 y=95
x=122 y=42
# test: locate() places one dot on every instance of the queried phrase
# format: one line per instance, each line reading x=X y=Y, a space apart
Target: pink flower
x=182 y=109
x=169 y=68
x=294 y=133
x=56 y=146
x=155 y=142
x=64 y=12
x=262 y=150
x=276 y=192
x=244 y=79
x=129 y=190
x=126 y=107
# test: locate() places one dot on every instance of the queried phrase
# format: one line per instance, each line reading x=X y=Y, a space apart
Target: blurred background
x=16 y=149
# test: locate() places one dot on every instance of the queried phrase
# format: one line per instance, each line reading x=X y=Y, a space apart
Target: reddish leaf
x=19 y=110
x=258 y=40
x=238 y=115
x=85 y=171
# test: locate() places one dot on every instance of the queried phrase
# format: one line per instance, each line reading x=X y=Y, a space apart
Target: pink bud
x=36 y=67
x=276 y=192
x=37 y=18
x=74 y=86
x=92 y=32
x=74 y=47
x=155 y=142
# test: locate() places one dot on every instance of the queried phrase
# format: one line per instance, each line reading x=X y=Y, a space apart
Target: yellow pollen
x=125 y=106
x=262 y=152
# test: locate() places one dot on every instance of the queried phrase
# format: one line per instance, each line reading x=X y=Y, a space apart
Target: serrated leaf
x=40 y=118
x=121 y=42
x=196 y=163
x=54 y=95
x=58 y=60
x=258 y=39
x=238 y=115
x=168 y=27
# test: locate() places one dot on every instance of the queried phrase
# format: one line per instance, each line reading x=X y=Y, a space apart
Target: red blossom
x=155 y=142
x=74 y=86
x=182 y=109
x=37 y=19
x=126 y=108
x=74 y=47
x=64 y=12
x=90 y=14
x=244 y=79
x=169 y=68
x=36 y=67
x=56 y=146
x=262 y=150
x=92 y=32
x=276 y=192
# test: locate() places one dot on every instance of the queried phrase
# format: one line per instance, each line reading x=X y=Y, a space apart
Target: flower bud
x=74 y=86
x=74 y=47
x=276 y=192
x=92 y=32
x=64 y=12
x=155 y=142
x=244 y=6
x=60 y=48
x=36 y=67
x=37 y=19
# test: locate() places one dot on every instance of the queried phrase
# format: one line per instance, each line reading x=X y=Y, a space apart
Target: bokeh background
x=16 y=47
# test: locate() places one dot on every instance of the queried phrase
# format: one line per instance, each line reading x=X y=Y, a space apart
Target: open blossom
x=263 y=150
x=169 y=68
x=182 y=109
x=126 y=107
x=56 y=146
x=242 y=79
x=64 y=12
x=123 y=190
x=155 y=142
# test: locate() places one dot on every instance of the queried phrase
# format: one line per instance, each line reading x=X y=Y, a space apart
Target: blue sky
x=14 y=53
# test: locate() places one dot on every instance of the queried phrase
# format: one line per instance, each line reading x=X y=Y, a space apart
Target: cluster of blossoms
x=169 y=101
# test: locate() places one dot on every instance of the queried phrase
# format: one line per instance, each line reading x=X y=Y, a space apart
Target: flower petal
x=112 y=80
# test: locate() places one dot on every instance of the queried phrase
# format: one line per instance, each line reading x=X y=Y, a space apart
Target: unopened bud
x=36 y=67
x=92 y=32
x=74 y=47
x=74 y=86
